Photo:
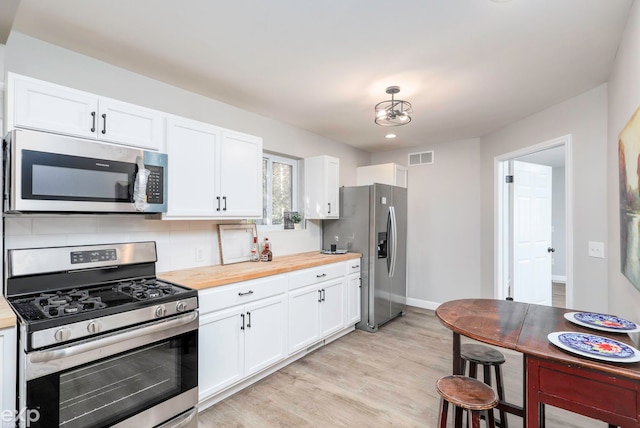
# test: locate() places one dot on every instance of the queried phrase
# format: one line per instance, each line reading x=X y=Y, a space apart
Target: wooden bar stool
x=487 y=357
x=468 y=394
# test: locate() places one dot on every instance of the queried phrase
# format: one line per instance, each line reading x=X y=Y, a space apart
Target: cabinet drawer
x=239 y=293
x=353 y=266
x=317 y=274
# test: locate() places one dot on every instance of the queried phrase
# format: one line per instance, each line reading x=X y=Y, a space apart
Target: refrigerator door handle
x=393 y=240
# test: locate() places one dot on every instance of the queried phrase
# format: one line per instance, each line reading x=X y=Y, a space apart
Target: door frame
x=502 y=244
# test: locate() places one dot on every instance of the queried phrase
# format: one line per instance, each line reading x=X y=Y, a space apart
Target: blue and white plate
x=602 y=322
x=592 y=346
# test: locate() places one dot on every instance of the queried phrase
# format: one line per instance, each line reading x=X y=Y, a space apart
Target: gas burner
x=67 y=303
x=146 y=289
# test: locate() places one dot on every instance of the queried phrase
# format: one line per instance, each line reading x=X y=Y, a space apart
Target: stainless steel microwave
x=54 y=173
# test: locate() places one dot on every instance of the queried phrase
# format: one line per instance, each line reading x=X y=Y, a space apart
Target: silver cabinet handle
x=224 y=198
x=246 y=293
x=354 y=267
x=324 y=294
x=242 y=326
x=329 y=203
x=321 y=275
x=93 y=121
x=319 y=296
x=218 y=198
x=248 y=319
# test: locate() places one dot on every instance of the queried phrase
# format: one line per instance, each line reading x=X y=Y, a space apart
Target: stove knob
x=93 y=327
x=62 y=334
x=181 y=306
x=160 y=311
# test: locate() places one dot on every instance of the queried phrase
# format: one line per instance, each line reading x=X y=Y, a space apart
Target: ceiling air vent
x=421 y=158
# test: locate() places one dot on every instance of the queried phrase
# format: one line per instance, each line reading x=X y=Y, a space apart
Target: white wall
x=443 y=245
x=585 y=118
x=177 y=240
x=623 y=100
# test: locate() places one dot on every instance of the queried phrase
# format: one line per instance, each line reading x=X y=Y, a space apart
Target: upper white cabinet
x=240 y=175
x=321 y=187
x=386 y=173
x=44 y=106
x=213 y=172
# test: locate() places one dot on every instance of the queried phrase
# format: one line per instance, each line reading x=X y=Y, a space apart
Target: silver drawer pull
x=321 y=275
x=246 y=293
x=354 y=267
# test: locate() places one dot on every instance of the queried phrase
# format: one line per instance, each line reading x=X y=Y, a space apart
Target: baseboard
x=559 y=278
x=424 y=304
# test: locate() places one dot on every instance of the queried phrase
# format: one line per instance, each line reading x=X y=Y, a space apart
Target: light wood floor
x=383 y=379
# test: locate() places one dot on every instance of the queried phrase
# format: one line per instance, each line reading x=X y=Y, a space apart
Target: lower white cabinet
x=238 y=340
x=354 y=286
x=8 y=374
x=315 y=311
x=251 y=326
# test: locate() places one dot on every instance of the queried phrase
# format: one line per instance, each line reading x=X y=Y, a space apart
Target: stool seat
x=481 y=354
x=466 y=392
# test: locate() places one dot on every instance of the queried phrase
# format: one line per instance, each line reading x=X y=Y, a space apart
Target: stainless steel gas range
x=101 y=341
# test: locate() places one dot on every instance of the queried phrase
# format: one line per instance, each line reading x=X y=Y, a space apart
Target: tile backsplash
x=177 y=241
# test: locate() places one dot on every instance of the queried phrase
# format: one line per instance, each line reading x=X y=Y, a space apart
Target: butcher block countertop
x=7 y=316
x=202 y=278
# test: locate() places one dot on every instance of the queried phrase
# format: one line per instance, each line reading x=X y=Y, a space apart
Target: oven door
x=143 y=376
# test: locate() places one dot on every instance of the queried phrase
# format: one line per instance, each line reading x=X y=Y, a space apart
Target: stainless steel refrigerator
x=373 y=222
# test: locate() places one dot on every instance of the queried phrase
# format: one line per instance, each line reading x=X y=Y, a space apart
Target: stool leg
x=475 y=419
x=458 y=416
x=542 y=420
x=500 y=388
x=491 y=422
x=486 y=374
x=473 y=370
x=444 y=408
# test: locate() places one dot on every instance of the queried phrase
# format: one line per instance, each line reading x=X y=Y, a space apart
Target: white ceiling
x=469 y=67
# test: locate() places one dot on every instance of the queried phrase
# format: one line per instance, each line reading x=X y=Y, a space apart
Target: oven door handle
x=40 y=363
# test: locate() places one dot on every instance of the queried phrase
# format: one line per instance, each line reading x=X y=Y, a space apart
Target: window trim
x=294 y=163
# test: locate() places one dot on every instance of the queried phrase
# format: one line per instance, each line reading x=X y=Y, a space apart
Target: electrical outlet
x=199 y=254
x=596 y=249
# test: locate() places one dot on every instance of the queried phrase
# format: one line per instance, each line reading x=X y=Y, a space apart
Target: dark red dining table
x=601 y=390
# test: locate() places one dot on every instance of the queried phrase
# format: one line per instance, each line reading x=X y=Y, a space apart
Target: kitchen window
x=280 y=189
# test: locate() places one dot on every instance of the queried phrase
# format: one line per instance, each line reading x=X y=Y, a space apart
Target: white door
x=532 y=233
x=265 y=333
x=332 y=307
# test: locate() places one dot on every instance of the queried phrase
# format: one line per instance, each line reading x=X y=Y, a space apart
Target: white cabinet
x=317 y=310
x=8 y=374
x=35 y=104
x=354 y=287
x=321 y=187
x=240 y=179
x=238 y=341
x=191 y=149
x=387 y=173
x=213 y=172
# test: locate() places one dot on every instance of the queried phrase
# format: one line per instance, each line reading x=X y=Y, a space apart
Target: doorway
x=533 y=271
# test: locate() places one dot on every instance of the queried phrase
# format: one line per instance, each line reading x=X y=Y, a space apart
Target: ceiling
x=469 y=67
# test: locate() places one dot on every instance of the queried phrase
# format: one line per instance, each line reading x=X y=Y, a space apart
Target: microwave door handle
x=140 y=186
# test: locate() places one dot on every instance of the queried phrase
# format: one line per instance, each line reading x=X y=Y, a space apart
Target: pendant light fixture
x=393 y=112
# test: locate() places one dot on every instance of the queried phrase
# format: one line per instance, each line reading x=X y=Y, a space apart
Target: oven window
x=114 y=389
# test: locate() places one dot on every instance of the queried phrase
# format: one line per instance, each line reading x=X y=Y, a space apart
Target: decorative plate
x=598 y=347
x=602 y=322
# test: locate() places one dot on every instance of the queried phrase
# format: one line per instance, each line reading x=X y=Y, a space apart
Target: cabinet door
x=304 y=317
x=332 y=308
x=265 y=333
x=220 y=350
x=321 y=191
x=8 y=343
x=191 y=148
x=124 y=123
x=48 y=107
x=240 y=175
x=332 y=189
x=353 y=298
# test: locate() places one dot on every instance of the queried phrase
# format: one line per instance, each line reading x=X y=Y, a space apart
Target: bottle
x=266 y=255
x=254 y=250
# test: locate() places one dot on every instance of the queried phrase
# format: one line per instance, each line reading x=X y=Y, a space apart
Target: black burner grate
x=54 y=305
